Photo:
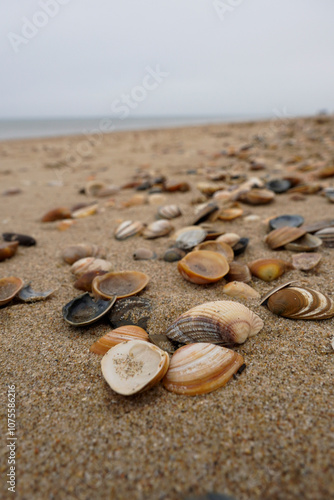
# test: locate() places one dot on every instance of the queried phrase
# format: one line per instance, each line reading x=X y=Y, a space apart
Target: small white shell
x=127 y=229
x=157 y=229
x=169 y=212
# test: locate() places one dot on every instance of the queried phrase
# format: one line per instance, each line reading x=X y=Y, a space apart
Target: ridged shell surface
x=201 y=368
x=127 y=229
x=122 y=334
x=301 y=303
x=219 y=322
x=169 y=212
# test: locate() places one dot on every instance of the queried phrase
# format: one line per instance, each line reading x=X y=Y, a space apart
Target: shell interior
x=122 y=284
x=9 y=287
x=83 y=310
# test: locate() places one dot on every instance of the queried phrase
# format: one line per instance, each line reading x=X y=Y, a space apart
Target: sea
x=31 y=128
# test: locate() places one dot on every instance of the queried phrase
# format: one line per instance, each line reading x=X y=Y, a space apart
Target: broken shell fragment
x=121 y=334
x=57 y=214
x=169 y=212
x=127 y=229
x=88 y=264
x=134 y=366
x=217 y=246
x=238 y=272
x=201 y=368
x=240 y=290
x=72 y=253
x=27 y=294
x=23 y=239
x=306 y=261
x=202 y=267
x=83 y=310
x=283 y=235
x=157 y=229
x=9 y=287
x=268 y=269
x=219 y=322
x=122 y=284
x=8 y=250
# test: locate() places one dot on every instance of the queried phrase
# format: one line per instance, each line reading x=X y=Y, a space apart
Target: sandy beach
x=266 y=435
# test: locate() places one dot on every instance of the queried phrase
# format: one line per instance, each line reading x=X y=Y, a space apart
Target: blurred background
x=68 y=66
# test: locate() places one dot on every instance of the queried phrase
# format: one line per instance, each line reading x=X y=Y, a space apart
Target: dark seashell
x=24 y=240
x=172 y=186
x=286 y=220
x=162 y=341
x=174 y=254
x=27 y=294
x=279 y=185
x=238 y=272
x=205 y=213
x=8 y=250
x=241 y=246
x=11 y=191
x=83 y=310
x=144 y=186
x=131 y=311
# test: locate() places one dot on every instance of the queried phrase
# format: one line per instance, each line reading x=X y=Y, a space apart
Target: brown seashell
x=268 y=269
x=265 y=298
x=306 y=261
x=307 y=243
x=127 y=229
x=238 y=272
x=326 y=236
x=157 y=229
x=144 y=254
x=257 y=196
x=202 y=267
x=65 y=224
x=134 y=366
x=85 y=211
x=72 y=253
x=57 y=214
x=201 y=368
x=240 y=290
x=87 y=264
x=169 y=212
x=8 y=250
x=326 y=172
x=305 y=189
x=229 y=238
x=301 y=303
x=230 y=213
x=122 y=284
x=85 y=281
x=219 y=322
x=114 y=337
x=9 y=287
x=172 y=186
x=219 y=247
x=283 y=235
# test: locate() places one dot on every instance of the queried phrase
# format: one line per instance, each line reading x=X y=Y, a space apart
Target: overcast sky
x=221 y=57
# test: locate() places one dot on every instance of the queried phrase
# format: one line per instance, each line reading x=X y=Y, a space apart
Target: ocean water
x=30 y=128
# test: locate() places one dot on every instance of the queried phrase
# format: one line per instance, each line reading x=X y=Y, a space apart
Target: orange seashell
x=122 y=284
x=283 y=235
x=57 y=214
x=202 y=267
x=8 y=250
x=219 y=247
x=9 y=287
x=121 y=334
x=268 y=269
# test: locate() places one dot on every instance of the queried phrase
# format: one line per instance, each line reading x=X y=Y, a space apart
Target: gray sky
x=222 y=57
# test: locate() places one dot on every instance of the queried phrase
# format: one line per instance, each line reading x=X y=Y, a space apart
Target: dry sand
x=267 y=435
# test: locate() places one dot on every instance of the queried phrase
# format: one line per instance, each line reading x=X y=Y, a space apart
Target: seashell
x=157 y=229
x=240 y=246
x=9 y=287
x=279 y=185
x=85 y=281
x=79 y=206
x=306 y=189
x=157 y=199
x=201 y=368
x=122 y=334
x=57 y=214
x=257 y=196
x=92 y=188
x=8 y=250
x=72 y=253
x=230 y=213
x=219 y=322
x=268 y=269
x=127 y=229
x=217 y=246
x=318 y=226
x=326 y=236
x=65 y=224
x=122 y=284
x=301 y=303
x=326 y=172
x=306 y=261
x=286 y=220
x=87 y=264
x=169 y=212
x=265 y=298
x=306 y=243
x=131 y=311
x=163 y=342
x=202 y=267
x=27 y=294
x=209 y=188
x=108 y=190
x=135 y=200
x=229 y=238
x=212 y=232
x=85 y=211
x=205 y=212
x=23 y=239
x=134 y=366
x=188 y=237
x=144 y=254
x=83 y=310
x=172 y=186
x=240 y=290
x=238 y=272
x=283 y=235
x=173 y=254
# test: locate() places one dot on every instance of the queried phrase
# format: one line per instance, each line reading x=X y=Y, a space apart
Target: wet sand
x=269 y=434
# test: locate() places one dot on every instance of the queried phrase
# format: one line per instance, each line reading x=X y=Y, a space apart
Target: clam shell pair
x=218 y=322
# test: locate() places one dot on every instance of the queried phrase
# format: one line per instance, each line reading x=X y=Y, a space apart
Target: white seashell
x=219 y=322
x=169 y=212
x=88 y=264
x=127 y=229
x=157 y=229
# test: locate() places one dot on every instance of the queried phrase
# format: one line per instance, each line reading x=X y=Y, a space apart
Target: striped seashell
x=219 y=322
x=157 y=229
x=122 y=334
x=283 y=235
x=301 y=303
x=72 y=253
x=88 y=264
x=201 y=368
x=127 y=229
x=169 y=212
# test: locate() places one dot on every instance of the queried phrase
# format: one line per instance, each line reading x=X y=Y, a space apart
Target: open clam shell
x=201 y=368
x=219 y=247
x=9 y=287
x=122 y=334
x=218 y=322
x=122 y=284
x=286 y=220
x=297 y=302
x=202 y=267
x=134 y=366
x=72 y=253
x=83 y=310
x=8 y=250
